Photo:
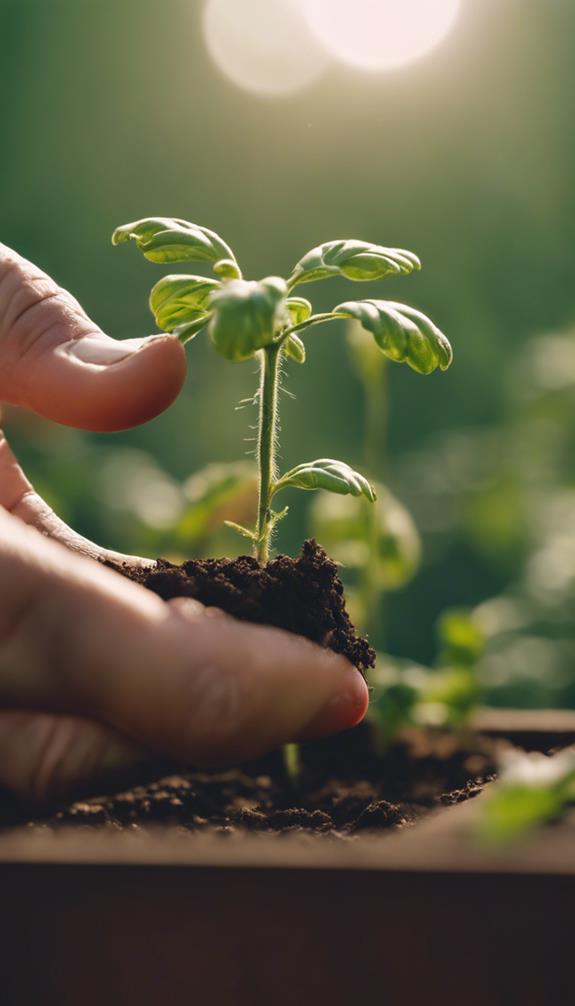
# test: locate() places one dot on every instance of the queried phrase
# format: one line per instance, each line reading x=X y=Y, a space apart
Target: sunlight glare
x=380 y=34
x=264 y=46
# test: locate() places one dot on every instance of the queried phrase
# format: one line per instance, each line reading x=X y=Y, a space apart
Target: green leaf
x=394 y=703
x=245 y=533
x=462 y=641
x=532 y=789
x=514 y=811
x=218 y=492
x=247 y=315
x=299 y=309
x=356 y=260
x=179 y=300
x=184 y=333
x=402 y=333
x=452 y=696
x=166 y=239
x=227 y=268
x=357 y=533
x=278 y=515
x=326 y=473
x=294 y=348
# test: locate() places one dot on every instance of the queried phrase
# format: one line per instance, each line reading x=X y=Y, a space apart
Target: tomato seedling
x=246 y=319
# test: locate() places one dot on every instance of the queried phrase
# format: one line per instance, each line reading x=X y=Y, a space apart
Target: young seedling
x=246 y=319
x=446 y=695
x=532 y=790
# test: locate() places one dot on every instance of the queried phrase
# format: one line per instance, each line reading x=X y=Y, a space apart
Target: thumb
x=55 y=361
x=79 y=639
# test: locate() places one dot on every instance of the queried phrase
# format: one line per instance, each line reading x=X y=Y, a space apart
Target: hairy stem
x=267 y=435
x=292 y=762
x=316 y=319
x=370 y=592
x=376 y=418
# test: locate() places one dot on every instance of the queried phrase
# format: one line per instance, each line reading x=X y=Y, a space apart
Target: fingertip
x=146 y=382
x=101 y=384
x=344 y=710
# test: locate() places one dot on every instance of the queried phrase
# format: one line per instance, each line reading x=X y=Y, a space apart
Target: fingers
x=57 y=362
x=78 y=639
x=17 y=496
x=46 y=757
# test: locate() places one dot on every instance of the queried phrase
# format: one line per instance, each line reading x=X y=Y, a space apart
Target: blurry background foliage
x=113 y=110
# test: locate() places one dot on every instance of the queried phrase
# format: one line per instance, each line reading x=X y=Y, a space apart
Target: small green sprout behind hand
x=532 y=790
x=247 y=318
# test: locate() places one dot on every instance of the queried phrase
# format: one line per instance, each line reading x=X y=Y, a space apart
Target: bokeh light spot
x=264 y=46
x=380 y=34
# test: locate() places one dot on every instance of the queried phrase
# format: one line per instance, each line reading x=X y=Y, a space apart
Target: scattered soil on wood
x=343 y=790
x=303 y=595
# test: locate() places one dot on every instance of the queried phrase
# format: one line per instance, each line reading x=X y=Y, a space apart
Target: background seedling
x=447 y=695
x=532 y=790
x=247 y=319
x=378 y=547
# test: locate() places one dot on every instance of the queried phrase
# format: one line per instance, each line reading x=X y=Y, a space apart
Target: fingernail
x=101 y=350
x=344 y=710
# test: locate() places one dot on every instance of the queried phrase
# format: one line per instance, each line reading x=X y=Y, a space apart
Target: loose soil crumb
x=343 y=791
x=303 y=595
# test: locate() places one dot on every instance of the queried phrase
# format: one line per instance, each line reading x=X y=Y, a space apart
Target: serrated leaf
x=167 y=239
x=294 y=348
x=299 y=309
x=356 y=260
x=247 y=315
x=404 y=334
x=181 y=300
x=326 y=473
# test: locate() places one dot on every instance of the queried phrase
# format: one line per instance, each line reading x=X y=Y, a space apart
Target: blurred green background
x=113 y=110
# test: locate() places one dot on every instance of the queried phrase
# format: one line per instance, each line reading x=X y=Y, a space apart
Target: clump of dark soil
x=344 y=787
x=303 y=595
x=343 y=790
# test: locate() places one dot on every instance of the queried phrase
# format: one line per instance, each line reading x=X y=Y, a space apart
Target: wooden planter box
x=419 y=916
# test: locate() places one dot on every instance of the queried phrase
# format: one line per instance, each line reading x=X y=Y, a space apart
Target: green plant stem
x=376 y=417
x=370 y=592
x=316 y=319
x=267 y=438
x=292 y=762
x=376 y=421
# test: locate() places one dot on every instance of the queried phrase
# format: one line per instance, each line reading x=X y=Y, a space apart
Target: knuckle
x=214 y=709
x=24 y=311
x=51 y=757
x=68 y=753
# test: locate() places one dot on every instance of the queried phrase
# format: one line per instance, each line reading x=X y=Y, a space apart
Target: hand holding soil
x=96 y=673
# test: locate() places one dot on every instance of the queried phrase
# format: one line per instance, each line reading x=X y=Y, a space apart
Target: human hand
x=96 y=673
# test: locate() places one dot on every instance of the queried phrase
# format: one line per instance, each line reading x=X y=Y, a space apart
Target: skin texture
x=97 y=675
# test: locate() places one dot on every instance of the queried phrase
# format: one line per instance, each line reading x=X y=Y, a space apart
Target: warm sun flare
x=380 y=34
